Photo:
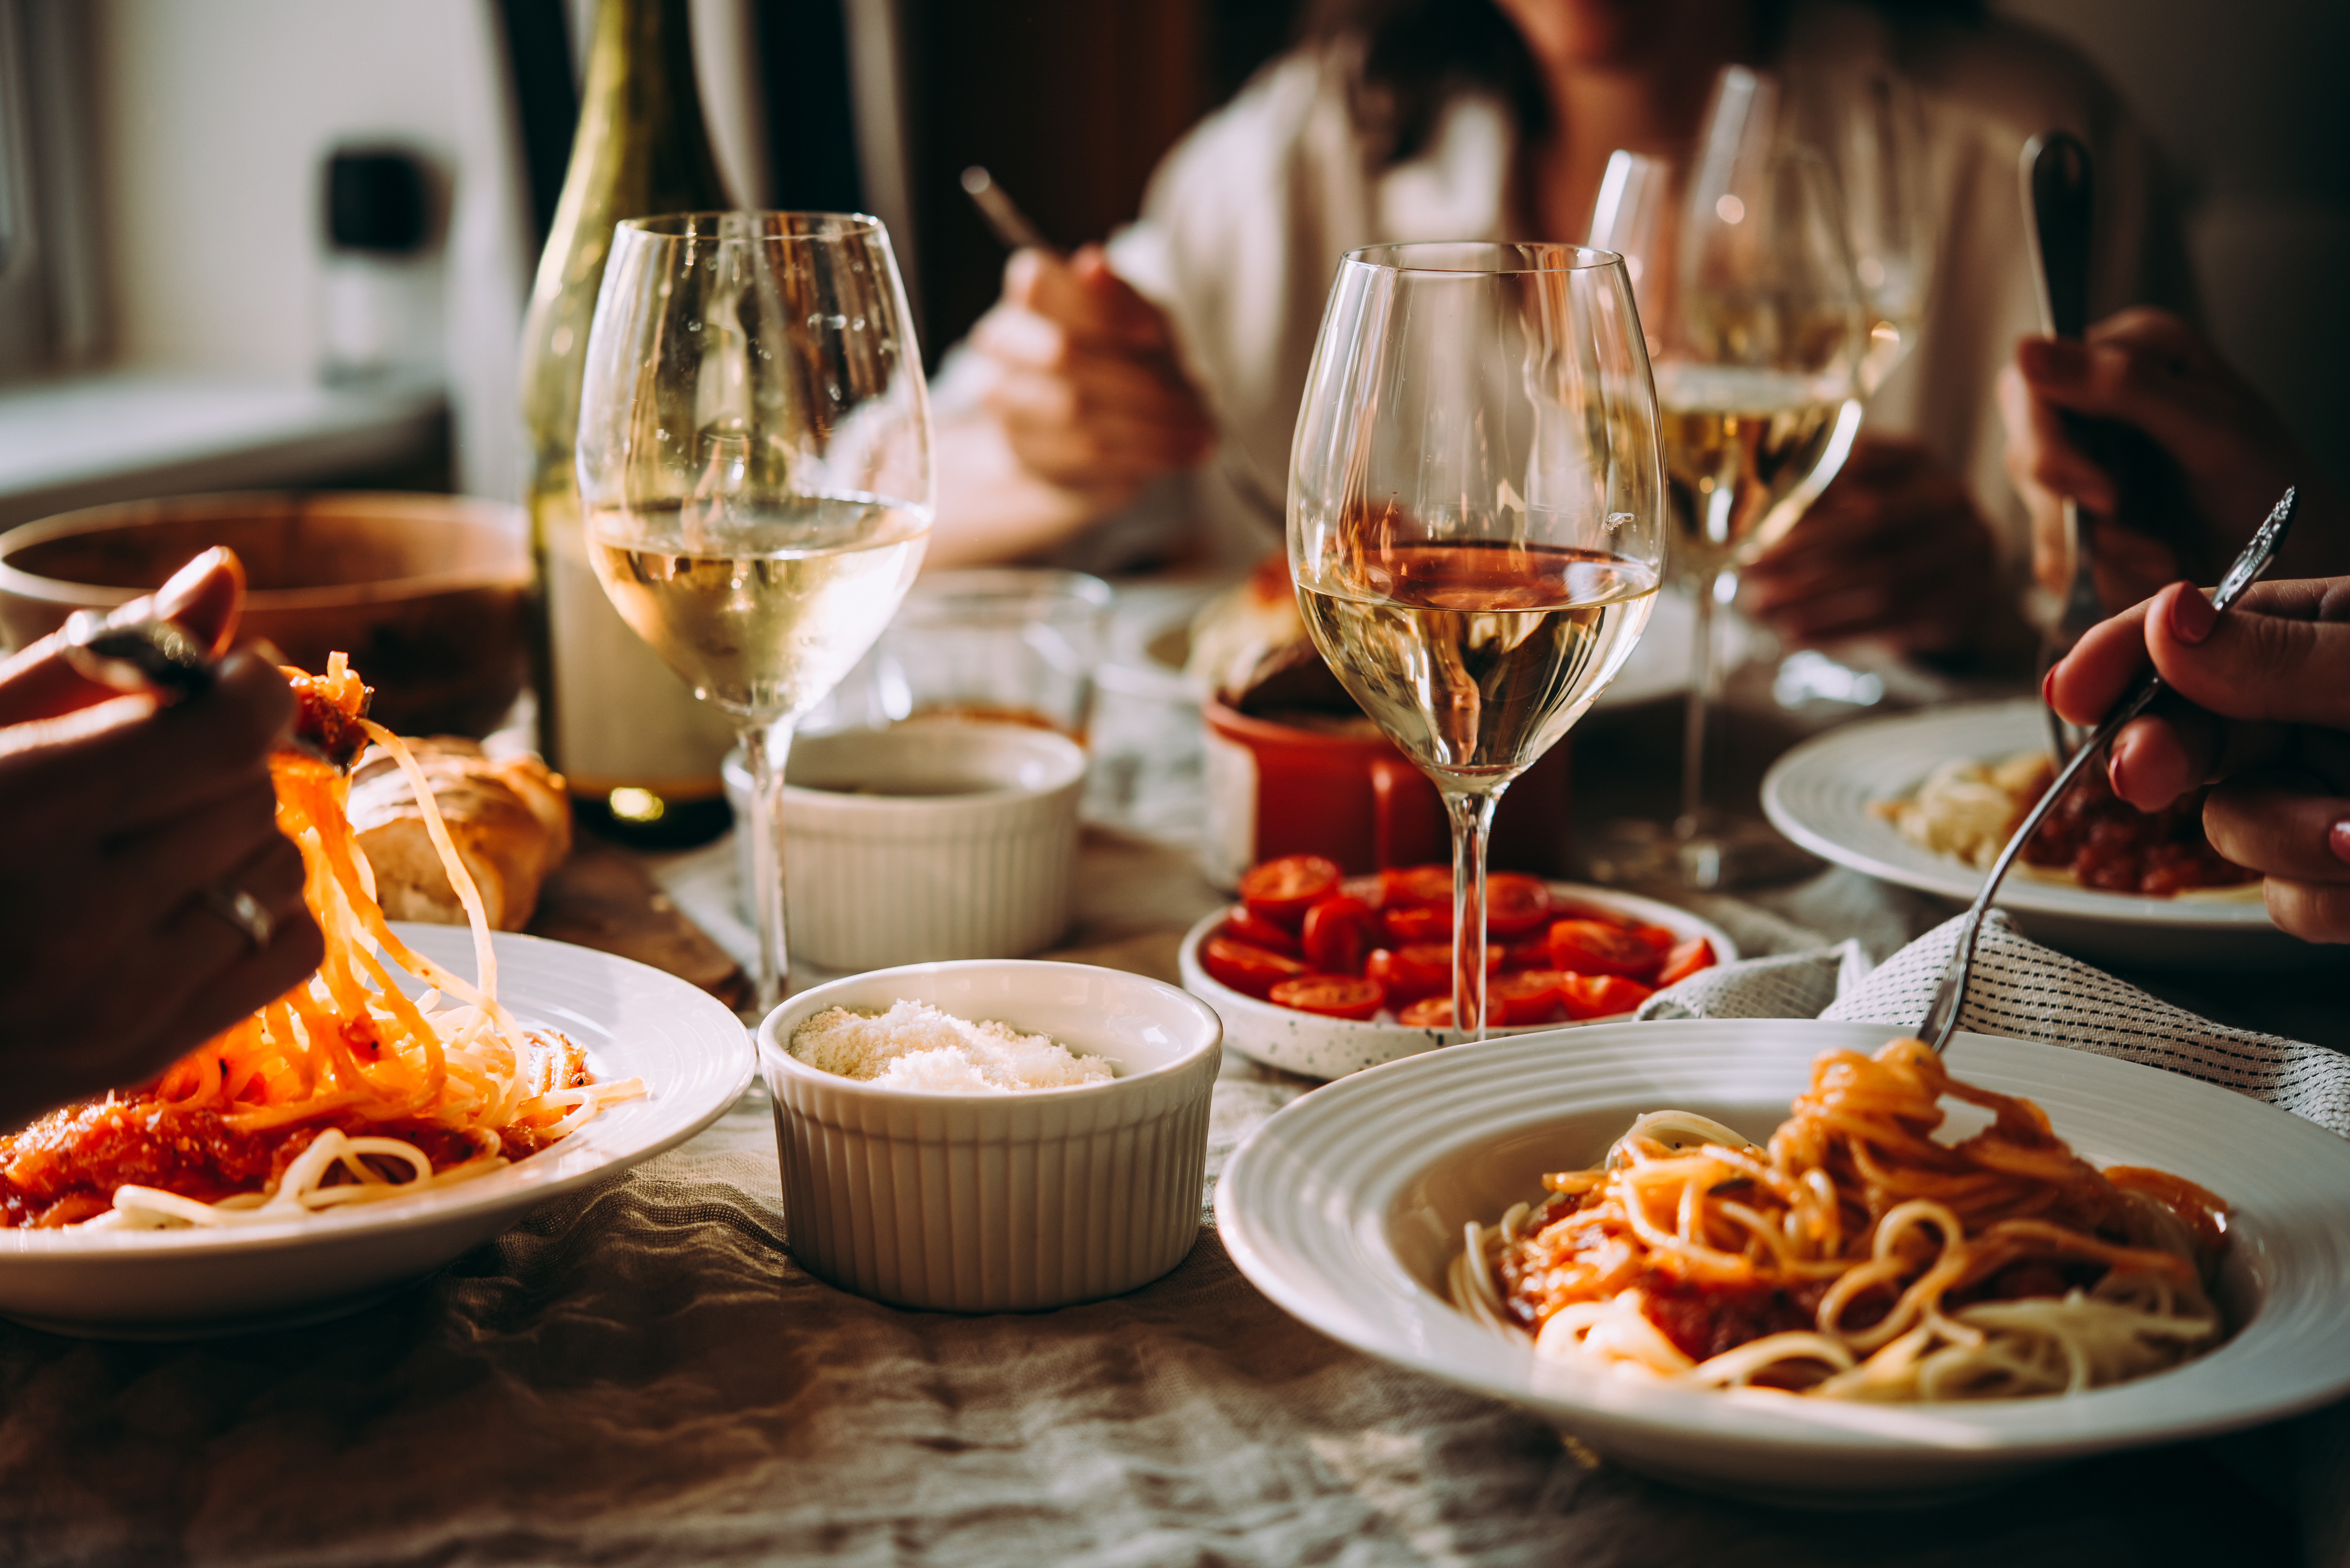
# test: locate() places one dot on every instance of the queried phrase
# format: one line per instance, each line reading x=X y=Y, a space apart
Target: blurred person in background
x=1183 y=344
x=147 y=898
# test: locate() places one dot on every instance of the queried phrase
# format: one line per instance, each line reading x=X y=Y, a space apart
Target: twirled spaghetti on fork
x=344 y=1090
x=1855 y=1256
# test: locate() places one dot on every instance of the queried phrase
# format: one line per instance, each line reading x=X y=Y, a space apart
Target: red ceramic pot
x=1344 y=790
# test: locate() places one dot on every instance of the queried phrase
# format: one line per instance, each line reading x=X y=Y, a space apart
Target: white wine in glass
x=1476 y=516
x=755 y=472
x=1755 y=315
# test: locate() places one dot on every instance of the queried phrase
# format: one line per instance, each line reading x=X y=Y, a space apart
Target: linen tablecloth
x=639 y=1375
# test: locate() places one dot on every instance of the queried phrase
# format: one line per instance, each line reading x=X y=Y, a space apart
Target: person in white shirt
x=1181 y=347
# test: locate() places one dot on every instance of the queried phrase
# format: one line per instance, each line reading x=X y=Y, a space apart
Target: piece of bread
x=509 y=818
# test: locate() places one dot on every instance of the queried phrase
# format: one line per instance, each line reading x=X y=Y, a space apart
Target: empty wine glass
x=1476 y=504
x=755 y=472
x=1873 y=130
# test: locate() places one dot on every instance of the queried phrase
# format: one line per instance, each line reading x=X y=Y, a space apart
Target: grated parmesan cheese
x=914 y=1045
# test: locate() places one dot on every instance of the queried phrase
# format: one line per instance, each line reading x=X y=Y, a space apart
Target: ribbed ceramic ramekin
x=927 y=841
x=1000 y=1202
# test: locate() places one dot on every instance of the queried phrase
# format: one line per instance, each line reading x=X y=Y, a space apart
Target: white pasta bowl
x=632 y=1021
x=1323 y=1047
x=1004 y=1202
x=1347 y=1208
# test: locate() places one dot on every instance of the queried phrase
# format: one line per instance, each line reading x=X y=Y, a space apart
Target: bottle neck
x=640 y=123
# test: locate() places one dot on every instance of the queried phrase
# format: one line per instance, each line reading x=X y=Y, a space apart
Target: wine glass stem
x=1473 y=822
x=1694 y=716
x=765 y=747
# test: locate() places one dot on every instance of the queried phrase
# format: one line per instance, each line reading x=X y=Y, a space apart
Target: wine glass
x=755 y=472
x=1760 y=332
x=1476 y=507
x=1875 y=134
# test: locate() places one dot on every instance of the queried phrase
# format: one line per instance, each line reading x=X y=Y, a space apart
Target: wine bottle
x=641 y=754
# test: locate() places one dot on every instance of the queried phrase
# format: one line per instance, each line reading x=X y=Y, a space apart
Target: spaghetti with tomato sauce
x=344 y=1090
x=1855 y=1255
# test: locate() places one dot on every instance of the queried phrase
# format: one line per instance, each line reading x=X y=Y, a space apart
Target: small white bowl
x=1000 y=1202
x=1322 y=1047
x=924 y=842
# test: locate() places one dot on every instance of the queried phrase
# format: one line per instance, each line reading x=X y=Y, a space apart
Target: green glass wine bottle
x=642 y=756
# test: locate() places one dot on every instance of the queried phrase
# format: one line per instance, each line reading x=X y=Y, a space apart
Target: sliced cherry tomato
x=1418 y=923
x=1534 y=954
x=1332 y=995
x=1416 y=885
x=1282 y=890
x=1529 y=996
x=1340 y=932
x=1515 y=905
x=1600 y=995
x=1428 y=1012
x=1245 y=967
x=1664 y=938
x=1411 y=972
x=1600 y=946
x=1685 y=959
x=1248 y=926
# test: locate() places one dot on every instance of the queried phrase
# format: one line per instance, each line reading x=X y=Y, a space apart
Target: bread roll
x=508 y=817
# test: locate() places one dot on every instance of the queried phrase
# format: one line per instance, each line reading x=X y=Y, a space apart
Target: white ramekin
x=1000 y=1202
x=984 y=871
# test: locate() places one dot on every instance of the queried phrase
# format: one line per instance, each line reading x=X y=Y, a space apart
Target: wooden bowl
x=425 y=592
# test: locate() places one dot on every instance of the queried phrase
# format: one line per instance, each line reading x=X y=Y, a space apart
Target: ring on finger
x=243 y=910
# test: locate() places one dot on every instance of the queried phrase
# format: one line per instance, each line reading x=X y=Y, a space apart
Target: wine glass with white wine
x=755 y=472
x=1476 y=516
x=1755 y=311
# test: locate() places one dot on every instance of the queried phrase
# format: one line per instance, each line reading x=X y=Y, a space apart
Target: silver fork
x=1941 y=1018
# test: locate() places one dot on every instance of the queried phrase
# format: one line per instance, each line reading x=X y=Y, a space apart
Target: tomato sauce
x=2110 y=844
x=64 y=1168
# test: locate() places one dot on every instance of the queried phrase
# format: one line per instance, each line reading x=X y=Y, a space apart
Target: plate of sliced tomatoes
x=1325 y=974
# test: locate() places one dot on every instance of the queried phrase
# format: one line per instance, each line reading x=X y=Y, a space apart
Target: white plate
x=632 y=1021
x=1818 y=794
x=1346 y=1206
x=1321 y=1047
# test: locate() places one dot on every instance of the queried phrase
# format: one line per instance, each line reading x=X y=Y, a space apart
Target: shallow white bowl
x=1819 y=794
x=632 y=1021
x=1346 y=1206
x=1000 y=1202
x=1322 y=1047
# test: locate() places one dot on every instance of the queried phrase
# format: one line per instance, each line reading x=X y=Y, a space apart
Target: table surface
x=640 y=1374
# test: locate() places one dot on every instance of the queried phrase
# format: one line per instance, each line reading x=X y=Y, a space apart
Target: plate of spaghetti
x=1925 y=800
x=1797 y=1262
x=420 y=1091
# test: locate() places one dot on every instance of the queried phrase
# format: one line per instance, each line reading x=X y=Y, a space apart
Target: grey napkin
x=2022 y=989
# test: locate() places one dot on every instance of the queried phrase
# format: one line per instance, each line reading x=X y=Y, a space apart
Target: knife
x=2056 y=196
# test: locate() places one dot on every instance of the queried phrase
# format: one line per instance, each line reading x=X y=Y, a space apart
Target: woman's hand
x=1088 y=387
x=1085 y=402
x=2261 y=704
x=1893 y=548
x=124 y=819
x=2179 y=462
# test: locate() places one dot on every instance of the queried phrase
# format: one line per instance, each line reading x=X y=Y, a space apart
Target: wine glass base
x=1716 y=855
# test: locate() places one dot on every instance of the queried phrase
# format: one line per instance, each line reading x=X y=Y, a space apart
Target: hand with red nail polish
x=2172 y=458
x=2260 y=704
